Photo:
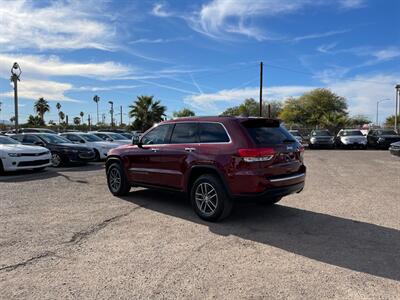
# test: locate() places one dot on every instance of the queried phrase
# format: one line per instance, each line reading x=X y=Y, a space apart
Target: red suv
x=214 y=160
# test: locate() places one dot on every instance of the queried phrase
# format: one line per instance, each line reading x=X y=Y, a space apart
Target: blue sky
x=203 y=55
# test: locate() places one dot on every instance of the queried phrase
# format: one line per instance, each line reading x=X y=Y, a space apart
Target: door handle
x=154 y=150
x=190 y=149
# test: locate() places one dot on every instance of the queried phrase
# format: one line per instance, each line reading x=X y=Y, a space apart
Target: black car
x=62 y=150
x=395 y=149
x=321 y=139
x=382 y=138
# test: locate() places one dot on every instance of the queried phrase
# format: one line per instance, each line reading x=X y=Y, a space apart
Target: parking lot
x=63 y=235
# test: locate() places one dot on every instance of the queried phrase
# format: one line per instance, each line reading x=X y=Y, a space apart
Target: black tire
x=270 y=201
x=57 y=160
x=117 y=181
x=205 y=187
x=1 y=168
x=96 y=155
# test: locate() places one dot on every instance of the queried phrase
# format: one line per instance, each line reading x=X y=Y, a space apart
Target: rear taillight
x=301 y=150
x=257 y=154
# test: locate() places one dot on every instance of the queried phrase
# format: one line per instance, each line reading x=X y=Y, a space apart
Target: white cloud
x=387 y=54
x=53 y=66
x=50 y=90
x=208 y=102
x=362 y=92
x=351 y=4
x=106 y=88
x=59 y=25
x=160 y=11
x=326 y=48
x=319 y=35
x=159 y=40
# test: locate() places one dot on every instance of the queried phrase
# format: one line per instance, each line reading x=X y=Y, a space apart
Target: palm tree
x=61 y=116
x=147 y=112
x=81 y=114
x=97 y=100
x=58 y=106
x=77 y=120
x=41 y=107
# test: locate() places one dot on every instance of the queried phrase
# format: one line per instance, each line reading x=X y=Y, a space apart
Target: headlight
x=14 y=154
x=312 y=140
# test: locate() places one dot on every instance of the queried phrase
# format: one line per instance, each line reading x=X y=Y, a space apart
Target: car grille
x=33 y=163
x=86 y=155
x=34 y=154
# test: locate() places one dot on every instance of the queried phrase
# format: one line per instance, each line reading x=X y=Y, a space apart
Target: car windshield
x=127 y=135
x=321 y=133
x=295 y=133
x=352 y=132
x=54 y=139
x=4 y=140
x=387 y=132
x=116 y=136
x=91 y=138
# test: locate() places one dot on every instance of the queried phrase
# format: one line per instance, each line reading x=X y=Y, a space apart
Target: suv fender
x=198 y=170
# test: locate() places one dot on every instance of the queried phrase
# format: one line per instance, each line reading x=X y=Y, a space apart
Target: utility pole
x=397 y=106
x=15 y=73
x=112 y=113
x=377 y=110
x=103 y=118
x=261 y=86
x=66 y=119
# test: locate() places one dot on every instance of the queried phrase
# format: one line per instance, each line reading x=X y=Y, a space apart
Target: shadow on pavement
x=341 y=242
x=50 y=172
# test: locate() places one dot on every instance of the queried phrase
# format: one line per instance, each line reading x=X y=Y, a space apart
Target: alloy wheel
x=206 y=198
x=114 y=179
x=55 y=160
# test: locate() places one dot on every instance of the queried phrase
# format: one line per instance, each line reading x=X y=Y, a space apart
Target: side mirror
x=109 y=140
x=136 y=141
x=39 y=144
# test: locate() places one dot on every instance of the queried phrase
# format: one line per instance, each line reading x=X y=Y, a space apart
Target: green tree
x=146 y=112
x=81 y=114
x=311 y=107
x=77 y=120
x=41 y=106
x=334 y=121
x=251 y=108
x=359 y=120
x=61 y=116
x=35 y=121
x=184 y=113
x=390 y=120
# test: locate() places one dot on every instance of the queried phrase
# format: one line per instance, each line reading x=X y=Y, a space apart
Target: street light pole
x=377 y=110
x=15 y=73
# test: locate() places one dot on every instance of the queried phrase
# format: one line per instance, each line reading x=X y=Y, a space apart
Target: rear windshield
x=266 y=132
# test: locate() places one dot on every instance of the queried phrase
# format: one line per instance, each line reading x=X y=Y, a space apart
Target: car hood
x=395 y=144
x=107 y=144
x=22 y=148
x=354 y=136
x=322 y=137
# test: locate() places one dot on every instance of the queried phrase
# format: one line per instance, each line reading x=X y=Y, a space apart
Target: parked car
x=395 y=149
x=14 y=156
x=62 y=150
x=127 y=135
x=351 y=138
x=112 y=137
x=27 y=130
x=382 y=138
x=89 y=140
x=214 y=160
x=297 y=135
x=321 y=139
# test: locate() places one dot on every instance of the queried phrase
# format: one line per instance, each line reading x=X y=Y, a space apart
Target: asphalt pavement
x=63 y=235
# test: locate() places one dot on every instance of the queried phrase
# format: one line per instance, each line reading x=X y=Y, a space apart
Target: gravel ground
x=62 y=235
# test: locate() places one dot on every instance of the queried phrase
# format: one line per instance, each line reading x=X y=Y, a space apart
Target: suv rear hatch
x=276 y=153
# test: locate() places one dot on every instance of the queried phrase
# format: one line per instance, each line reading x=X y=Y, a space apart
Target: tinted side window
x=30 y=139
x=19 y=138
x=185 y=133
x=102 y=136
x=158 y=135
x=73 y=138
x=212 y=133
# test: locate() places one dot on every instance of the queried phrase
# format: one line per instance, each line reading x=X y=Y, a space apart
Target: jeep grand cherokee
x=214 y=160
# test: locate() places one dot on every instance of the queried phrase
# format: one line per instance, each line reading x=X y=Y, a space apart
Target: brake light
x=257 y=154
x=301 y=150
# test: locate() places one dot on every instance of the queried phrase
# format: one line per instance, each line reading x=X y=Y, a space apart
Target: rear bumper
x=274 y=192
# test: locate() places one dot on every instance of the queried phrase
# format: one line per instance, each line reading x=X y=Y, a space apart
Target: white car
x=99 y=146
x=351 y=138
x=14 y=156
x=112 y=137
